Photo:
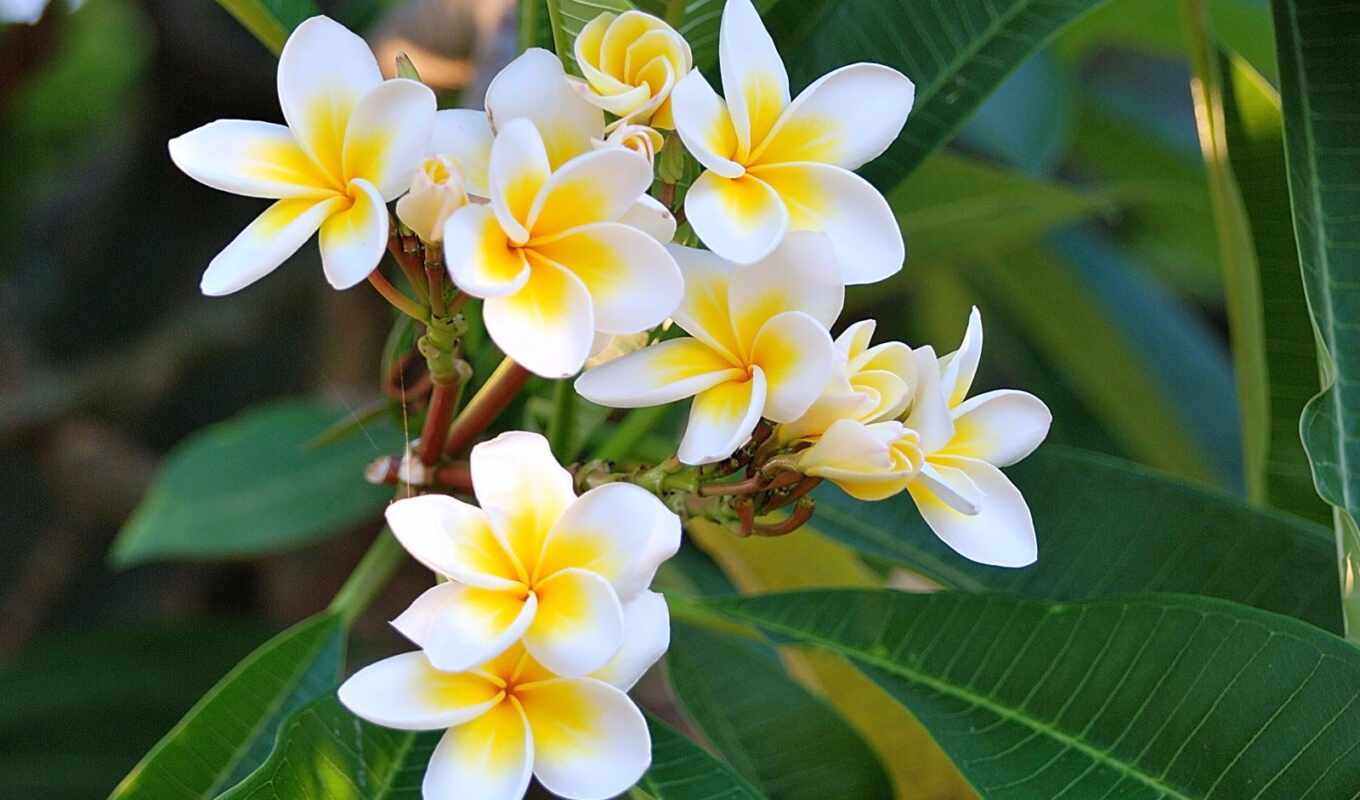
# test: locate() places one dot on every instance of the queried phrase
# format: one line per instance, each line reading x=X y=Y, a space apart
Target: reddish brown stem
x=437 y=420
x=394 y=296
x=800 y=515
x=454 y=476
x=434 y=274
x=410 y=263
x=804 y=486
x=486 y=405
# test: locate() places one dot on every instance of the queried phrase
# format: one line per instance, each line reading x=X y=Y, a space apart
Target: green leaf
x=326 y=753
x=535 y=29
x=251 y=485
x=779 y=735
x=1141 y=696
x=231 y=729
x=1317 y=42
x=681 y=770
x=1106 y=526
x=270 y=20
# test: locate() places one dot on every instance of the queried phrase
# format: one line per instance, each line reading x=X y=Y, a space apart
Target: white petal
x=618 y=531
x=663 y=373
x=800 y=275
x=579 y=623
x=519 y=168
x=755 y=84
x=741 y=219
x=951 y=486
x=958 y=369
x=523 y=490
x=464 y=136
x=590 y=741
x=406 y=692
x=722 y=418
x=705 y=126
x=452 y=538
x=389 y=135
x=999 y=427
x=324 y=70
x=480 y=258
x=646 y=637
x=844 y=206
x=795 y=354
x=633 y=281
x=255 y=159
x=353 y=241
x=929 y=413
x=598 y=186
x=266 y=243
x=704 y=312
x=547 y=326
x=1000 y=534
x=534 y=86
x=855 y=339
x=490 y=758
x=651 y=216
x=847 y=117
x=460 y=627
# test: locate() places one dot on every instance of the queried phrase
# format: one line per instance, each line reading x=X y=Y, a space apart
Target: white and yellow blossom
x=436 y=192
x=511 y=718
x=773 y=165
x=631 y=62
x=351 y=145
x=759 y=346
x=534 y=563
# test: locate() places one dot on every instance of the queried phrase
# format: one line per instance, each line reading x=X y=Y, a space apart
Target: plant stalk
x=487 y=404
x=394 y=296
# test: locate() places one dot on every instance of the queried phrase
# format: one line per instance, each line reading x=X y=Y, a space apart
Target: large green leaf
x=1106 y=526
x=778 y=734
x=681 y=770
x=1156 y=696
x=270 y=20
x=252 y=485
x=324 y=752
x=1317 y=42
x=231 y=729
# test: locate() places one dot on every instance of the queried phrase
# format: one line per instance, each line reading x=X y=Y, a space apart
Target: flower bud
x=436 y=192
x=639 y=138
x=868 y=462
x=631 y=62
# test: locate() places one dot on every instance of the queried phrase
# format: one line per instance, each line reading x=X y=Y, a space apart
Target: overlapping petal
x=704 y=312
x=489 y=758
x=722 y=418
x=464 y=136
x=862 y=459
x=634 y=283
x=254 y=159
x=1001 y=533
x=1000 y=427
x=388 y=134
x=406 y=692
x=578 y=625
x=598 y=186
x=618 y=531
x=533 y=86
x=755 y=83
x=929 y=414
x=646 y=636
x=454 y=539
x=522 y=489
x=548 y=325
x=519 y=169
x=481 y=259
x=800 y=275
x=266 y=243
x=794 y=353
x=353 y=241
x=705 y=125
x=651 y=217
x=460 y=626
x=590 y=741
x=663 y=373
x=741 y=219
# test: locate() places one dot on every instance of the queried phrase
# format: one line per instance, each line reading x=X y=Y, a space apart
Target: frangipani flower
x=631 y=62
x=351 y=145
x=774 y=166
x=534 y=563
x=511 y=717
x=760 y=346
x=552 y=254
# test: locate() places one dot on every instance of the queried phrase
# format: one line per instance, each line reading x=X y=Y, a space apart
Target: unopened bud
x=406 y=68
x=638 y=138
x=436 y=192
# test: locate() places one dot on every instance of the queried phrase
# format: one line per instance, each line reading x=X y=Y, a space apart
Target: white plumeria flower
x=553 y=254
x=774 y=166
x=511 y=717
x=351 y=145
x=534 y=563
x=631 y=62
x=436 y=192
x=760 y=346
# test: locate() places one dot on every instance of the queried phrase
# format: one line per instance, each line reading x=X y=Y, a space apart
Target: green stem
x=560 y=424
x=629 y=432
x=369 y=577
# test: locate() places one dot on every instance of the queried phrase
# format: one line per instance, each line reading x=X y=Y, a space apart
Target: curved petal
x=754 y=81
x=588 y=49
x=464 y=137
x=480 y=258
x=353 y=241
x=951 y=486
x=453 y=538
x=618 y=531
x=406 y=692
x=459 y=627
x=741 y=219
x=847 y=208
x=254 y=159
x=854 y=340
x=892 y=357
x=847 y=117
x=623 y=104
x=590 y=741
x=266 y=243
x=1000 y=427
x=858 y=458
x=389 y=134
x=795 y=354
x=722 y=418
x=663 y=373
x=489 y=758
x=579 y=624
x=1001 y=533
x=958 y=369
x=705 y=126
x=651 y=216
x=646 y=637
x=633 y=282
x=523 y=490
x=704 y=312
x=836 y=402
x=929 y=414
x=598 y=186
x=535 y=87
x=324 y=70
x=519 y=169
x=890 y=395
x=800 y=275
x=548 y=325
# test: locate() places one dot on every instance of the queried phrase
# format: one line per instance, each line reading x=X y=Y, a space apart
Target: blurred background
x=1072 y=209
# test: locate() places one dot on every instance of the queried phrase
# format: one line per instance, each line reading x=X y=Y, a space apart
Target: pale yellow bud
x=640 y=139
x=436 y=192
x=631 y=62
x=868 y=462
